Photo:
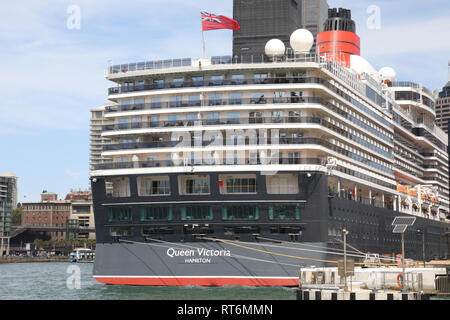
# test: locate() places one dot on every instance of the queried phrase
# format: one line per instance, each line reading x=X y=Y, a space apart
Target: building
x=263 y=20
x=314 y=15
x=8 y=202
x=49 y=213
x=81 y=214
x=97 y=122
x=218 y=167
x=443 y=108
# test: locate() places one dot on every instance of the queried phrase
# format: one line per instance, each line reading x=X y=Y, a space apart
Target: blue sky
x=51 y=76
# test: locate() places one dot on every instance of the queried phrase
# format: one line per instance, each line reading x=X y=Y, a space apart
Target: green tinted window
x=153 y=213
x=284 y=211
x=240 y=212
x=118 y=214
x=196 y=213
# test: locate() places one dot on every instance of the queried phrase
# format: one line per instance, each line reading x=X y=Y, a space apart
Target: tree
x=16 y=216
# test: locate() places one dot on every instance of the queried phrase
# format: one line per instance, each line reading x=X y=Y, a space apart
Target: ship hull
x=263 y=258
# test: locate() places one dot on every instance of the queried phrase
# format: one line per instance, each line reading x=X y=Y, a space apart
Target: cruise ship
x=241 y=170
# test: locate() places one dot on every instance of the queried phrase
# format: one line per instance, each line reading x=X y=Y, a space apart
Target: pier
x=383 y=283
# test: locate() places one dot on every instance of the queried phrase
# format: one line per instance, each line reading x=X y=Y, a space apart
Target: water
x=47 y=281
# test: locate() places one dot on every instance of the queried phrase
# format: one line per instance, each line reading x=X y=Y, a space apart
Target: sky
x=54 y=53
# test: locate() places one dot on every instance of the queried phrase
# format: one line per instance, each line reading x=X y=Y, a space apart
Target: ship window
x=194 y=185
x=217 y=80
x=240 y=212
x=237 y=184
x=156 y=213
x=282 y=184
x=117 y=187
x=159 y=84
x=237 y=79
x=235 y=98
x=260 y=77
x=196 y=212
x=175 y=101
x=233 y=118
x=258 y=98
x=284 y=211
x=119 y=214
x=194 y=100
x=151 y=186
x=215 y=99
x=256 y=117
x=197 y=81
x=178 y=82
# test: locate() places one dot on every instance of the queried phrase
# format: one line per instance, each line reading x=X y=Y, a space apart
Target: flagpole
x=204 y=43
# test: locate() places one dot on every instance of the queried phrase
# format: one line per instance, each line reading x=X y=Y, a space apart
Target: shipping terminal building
x=238 y=170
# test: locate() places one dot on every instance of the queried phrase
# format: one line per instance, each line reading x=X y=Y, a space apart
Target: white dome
x=361 y=65
x=387 y=73
x=275 y=47
x=302 y=40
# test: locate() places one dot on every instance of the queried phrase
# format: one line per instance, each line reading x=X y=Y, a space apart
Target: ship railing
x=409 y=84
x=208 y=162
x=212 y=103
x=215 y=60
x=214 y=83
x=201 y=144
x=210 y=122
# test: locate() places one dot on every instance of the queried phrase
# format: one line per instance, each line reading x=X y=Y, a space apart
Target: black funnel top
x=339 y=20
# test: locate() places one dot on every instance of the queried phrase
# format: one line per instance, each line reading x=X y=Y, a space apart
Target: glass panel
x=284 y=211
x=240 y=212
x=119 y=214
x=157 y=213
x=197 y=212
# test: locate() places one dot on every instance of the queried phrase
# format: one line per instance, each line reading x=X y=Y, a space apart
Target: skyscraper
x=8 y=202
x=263 y=20
x=443 y=108
x=314 y=14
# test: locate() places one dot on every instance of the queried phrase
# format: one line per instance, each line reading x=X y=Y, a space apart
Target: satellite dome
x=388 y=73
x=302 y=40
x=362 y=66
x=275 y=48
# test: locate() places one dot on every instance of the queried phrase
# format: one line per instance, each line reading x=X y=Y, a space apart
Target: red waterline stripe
x=200 y=281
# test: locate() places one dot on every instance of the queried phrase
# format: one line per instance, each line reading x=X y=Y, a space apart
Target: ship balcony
x=213 y=102
x=207 y=162
x=346 y=190
x=221 y=83
x=213 y=122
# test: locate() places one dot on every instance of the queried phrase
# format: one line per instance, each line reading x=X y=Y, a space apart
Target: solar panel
x=407 y=221
x=400 y=228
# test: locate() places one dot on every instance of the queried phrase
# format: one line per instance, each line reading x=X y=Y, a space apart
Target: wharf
x=32 y=259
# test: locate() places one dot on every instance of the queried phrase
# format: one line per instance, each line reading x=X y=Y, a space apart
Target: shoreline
x=33 y=260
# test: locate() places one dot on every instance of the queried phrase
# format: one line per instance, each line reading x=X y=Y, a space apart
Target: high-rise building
x=314 y=15
x=97 y=122
x=82 y=213
x=263 y=20
x=8 y=202
x=443 y=108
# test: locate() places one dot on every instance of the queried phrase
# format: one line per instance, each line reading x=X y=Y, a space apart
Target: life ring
x=401 y=283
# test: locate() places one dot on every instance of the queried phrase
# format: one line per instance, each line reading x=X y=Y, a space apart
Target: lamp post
x=345 y=232
x=422 y=232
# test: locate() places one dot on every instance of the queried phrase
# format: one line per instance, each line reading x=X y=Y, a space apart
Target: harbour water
x=48 y=281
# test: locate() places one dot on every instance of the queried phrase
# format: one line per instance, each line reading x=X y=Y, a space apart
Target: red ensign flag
x=213 y=22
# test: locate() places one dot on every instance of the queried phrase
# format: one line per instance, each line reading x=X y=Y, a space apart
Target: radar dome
x=388 y=74
x=275 y=48
x=302 y=40
x=362 y=66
